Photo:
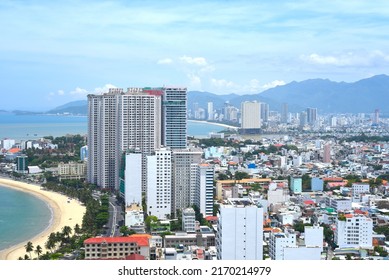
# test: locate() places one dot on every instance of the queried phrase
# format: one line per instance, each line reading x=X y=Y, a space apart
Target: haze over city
x=56 y=52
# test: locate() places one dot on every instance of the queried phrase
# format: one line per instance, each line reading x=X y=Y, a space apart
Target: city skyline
x=53 y=53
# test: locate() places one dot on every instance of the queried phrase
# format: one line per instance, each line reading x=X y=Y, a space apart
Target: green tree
x=29 y=248
x=149 y=220
x=239 y=175
x=38 y=250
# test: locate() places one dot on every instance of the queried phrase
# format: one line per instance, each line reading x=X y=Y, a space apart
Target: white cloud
x=273 y=84
x=104 y=89
x=61 y=92
x=355 y=59
x=79 y=91
x=195 y=81
x=165 y=61
x=222 y=84
x=200 y=61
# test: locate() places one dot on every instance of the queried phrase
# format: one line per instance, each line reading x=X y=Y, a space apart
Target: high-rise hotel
x=139 y=119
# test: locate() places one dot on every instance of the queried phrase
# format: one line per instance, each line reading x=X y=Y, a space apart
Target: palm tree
x=66 y=231
x=29 y=247
x=51 y=241
x=38 y=250
x=77 y=229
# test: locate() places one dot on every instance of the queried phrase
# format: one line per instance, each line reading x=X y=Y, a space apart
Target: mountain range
x=363 y=96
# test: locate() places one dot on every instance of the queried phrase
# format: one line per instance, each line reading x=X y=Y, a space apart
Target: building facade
x=251 y=115
x=354 y=231
x=240 y=231
x=159 y=180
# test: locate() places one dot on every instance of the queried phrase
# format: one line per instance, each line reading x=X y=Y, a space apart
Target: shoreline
x=64 y=213
x=215 y=123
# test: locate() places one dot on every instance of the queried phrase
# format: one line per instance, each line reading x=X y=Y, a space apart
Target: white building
x=358 y=190
x=188 y=220
x=204 y=188
x=240 y=231
x=183 y=188
x=354 y=231
x=134 y=217
x=133 y=179
x=277 y=194
x=285 y=246
x=8 y=143
x=339 y=203
x=72 y=170
x=251 y=114
x=117 y=121
x=210 y=111
x=159 y=181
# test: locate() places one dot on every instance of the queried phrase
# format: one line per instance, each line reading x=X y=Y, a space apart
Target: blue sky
x=53 y=52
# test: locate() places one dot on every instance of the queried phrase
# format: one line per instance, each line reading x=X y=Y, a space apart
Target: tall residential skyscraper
x=118 y=121
x=264 y=112
x=251 y=114
x=159 y=180
x=311 y=115
x=284 y=113
x=182 y=184
x=210 y=111
x=174 y=119
x=327 y=153
x=203 y=197
x=139 y=118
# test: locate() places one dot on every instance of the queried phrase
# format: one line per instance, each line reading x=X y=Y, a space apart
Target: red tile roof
x=141 y=240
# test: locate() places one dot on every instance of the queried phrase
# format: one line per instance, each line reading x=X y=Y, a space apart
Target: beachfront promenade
x=65 y=213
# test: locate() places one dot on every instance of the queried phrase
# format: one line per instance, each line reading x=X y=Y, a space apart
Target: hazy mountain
x=363 y=96
x=79 y=107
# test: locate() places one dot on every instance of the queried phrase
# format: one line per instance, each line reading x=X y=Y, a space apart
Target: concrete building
x=327 y=153
x=358 y=190
x=188 y=220
x=240 y=231
x=210 y=111
x=133 y=179
x=117 y=121
x=296 y=184
x=317 y=184
x=286 y=246
x=7 y=144
x=84 y=153
x=100 y=248
x=72 y=170
x=174 y=117
x=159 y=179
x=203 y=196
x=277 y=194
x=134 y=218
x=339 y=203
x=264 y=112
x=354 y=230
x=183 y=179
x=22 y=164
x=284 y=113
x=311 y=115
x=251 y=114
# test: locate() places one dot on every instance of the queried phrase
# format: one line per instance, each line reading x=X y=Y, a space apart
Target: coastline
x=215 y=123
x=64 y=213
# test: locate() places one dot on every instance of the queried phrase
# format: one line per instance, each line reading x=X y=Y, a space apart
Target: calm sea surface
x=29 y=127
x=22 y=216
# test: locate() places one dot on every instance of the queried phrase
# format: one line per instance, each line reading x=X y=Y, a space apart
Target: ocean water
x=22 y=216
x=30 y=127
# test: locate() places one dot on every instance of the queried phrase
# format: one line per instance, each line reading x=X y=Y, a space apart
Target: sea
x=23 y=216
x=30 y=127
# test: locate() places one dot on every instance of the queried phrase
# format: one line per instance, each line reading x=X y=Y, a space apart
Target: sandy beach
x=64 y=214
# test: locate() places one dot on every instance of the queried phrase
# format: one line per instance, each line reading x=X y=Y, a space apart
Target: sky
x=54 y=52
